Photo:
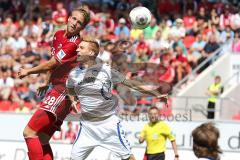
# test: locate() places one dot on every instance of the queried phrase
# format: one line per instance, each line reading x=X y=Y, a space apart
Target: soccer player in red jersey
x=55 y=105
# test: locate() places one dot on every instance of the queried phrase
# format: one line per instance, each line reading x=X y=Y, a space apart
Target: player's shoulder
x=60 y=32
x=106 y=66
x=75 y=72
x=163 y=124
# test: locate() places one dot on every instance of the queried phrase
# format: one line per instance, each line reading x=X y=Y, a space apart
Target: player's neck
x=89 y=63
x=68 y=35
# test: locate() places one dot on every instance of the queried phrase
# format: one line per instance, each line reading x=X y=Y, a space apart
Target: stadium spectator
x=142 y=50
x=157 y=44
x=122 y=28
x=122 y=8
x=236 y=43
x=198 y=46
x=225 y=18
x=156 y=133
x=188 y=20
x=59 y=16
x=214 y=90
x=205 y=142
x=22 y=108
x=135 y=33
x=178 y=29
x=214 y=17
x=8 y=26
x=211 y=46
x=150 y=31
x=70 y=135
x=6 y=84
x=190 y=5
x=169 y=74
x=180 y=63
x=226 y=35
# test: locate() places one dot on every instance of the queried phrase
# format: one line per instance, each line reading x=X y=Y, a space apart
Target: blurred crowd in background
x=181 y=35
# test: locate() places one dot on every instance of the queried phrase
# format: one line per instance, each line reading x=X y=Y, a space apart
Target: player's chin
x=71 y=30
x=79 y=59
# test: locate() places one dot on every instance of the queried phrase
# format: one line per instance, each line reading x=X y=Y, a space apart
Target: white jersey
x=93 y=87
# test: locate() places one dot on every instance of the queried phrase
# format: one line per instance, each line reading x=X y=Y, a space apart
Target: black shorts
x=157 y=156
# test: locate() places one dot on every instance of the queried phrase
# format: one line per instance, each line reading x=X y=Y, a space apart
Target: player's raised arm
x=161 y=92
x=42 y=68
x=143 y=88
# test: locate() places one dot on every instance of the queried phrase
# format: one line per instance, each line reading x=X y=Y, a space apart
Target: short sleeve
x=168 y=132
x=67 y=53
x=117 y=77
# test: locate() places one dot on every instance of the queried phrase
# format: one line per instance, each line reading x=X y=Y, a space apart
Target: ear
x=92 y=53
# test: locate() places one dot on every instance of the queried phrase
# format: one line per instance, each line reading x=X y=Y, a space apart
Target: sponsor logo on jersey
x=59 y=46
x=61 y=54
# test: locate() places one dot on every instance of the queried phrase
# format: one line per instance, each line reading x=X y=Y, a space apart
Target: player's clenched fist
x=22 y=73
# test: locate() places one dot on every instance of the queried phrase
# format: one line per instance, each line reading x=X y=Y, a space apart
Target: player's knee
x=44 y=138
x=28 y=132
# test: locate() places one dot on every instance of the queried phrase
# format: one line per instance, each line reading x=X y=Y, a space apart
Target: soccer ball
x=140 y=17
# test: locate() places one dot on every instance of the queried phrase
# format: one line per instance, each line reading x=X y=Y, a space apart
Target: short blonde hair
x=92 y=43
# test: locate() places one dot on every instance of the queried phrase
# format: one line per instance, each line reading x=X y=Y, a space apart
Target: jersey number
x=49 y=100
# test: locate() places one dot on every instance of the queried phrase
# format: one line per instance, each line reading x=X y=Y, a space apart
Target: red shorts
x=53 y=110
x=57 y=102
x=44 y=121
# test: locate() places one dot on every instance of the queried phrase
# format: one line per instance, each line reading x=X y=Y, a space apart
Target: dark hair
x=219 y=77
x=151 y=108
x=86 y=13
x=205 y=141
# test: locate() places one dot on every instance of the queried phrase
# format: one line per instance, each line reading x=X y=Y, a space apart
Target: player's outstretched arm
x=42 y=68
x=141 y=87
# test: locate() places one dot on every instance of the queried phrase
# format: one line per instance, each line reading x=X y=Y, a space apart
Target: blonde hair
x=92 y=43
x=86 y=14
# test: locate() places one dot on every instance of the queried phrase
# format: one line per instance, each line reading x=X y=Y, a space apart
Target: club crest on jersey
x=61 y=54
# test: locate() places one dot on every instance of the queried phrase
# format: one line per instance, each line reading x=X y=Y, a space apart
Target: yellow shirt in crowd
x=156 y=136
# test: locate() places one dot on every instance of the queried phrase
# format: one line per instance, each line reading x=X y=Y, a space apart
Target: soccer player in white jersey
x=92 y=84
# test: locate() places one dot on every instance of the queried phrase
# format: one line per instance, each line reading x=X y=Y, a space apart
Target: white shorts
x=108 y=134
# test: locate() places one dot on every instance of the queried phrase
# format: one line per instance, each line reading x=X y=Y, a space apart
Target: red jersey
x=64 y=51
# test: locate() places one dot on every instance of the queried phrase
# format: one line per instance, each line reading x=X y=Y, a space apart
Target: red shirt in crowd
x=60 y=16
x=189 y=21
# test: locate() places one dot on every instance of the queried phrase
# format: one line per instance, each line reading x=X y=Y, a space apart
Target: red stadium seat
x=5 y=106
